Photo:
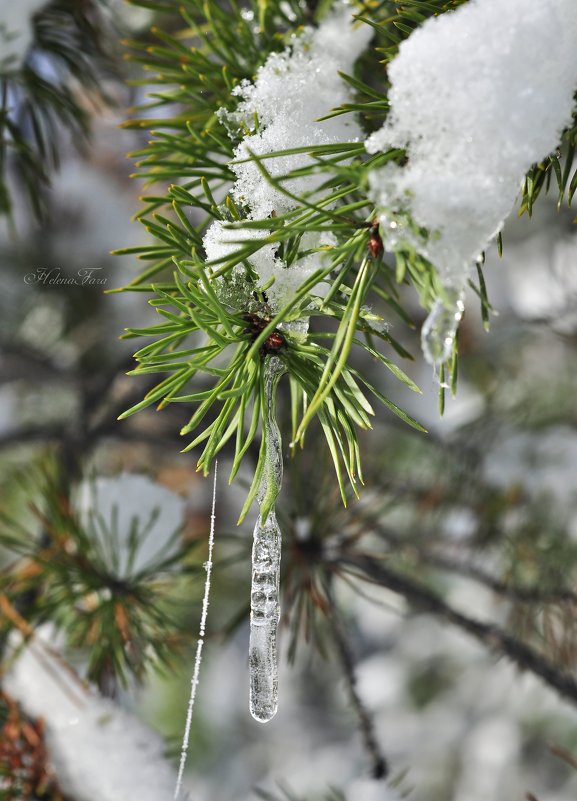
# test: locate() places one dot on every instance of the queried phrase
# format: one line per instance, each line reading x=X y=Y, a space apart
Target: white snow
x=371 y=790
x=477 y=96
x=123 y=509
x=99 y=751
x=16 y=31
x=290 y=92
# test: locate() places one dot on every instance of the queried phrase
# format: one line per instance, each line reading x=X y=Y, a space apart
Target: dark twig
x=41 y=433
x=441 y=562
x=380 y=768
x=503 y=588
x=489 y=634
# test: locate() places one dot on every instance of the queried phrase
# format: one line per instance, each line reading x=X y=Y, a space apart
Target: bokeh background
x=484 y=504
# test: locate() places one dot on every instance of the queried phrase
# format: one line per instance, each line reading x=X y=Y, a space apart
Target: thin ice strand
x=199 y=645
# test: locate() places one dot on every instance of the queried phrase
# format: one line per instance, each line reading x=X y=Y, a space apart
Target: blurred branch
x=490 y=635
x=43 y=433
x=380 y=768
x=22 y=361
x=462 y=568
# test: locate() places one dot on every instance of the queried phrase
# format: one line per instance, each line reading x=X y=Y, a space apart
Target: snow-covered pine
x=266 y=554
x=133 y=523
x=290 y=92
x=98 y=750
x=478 y=95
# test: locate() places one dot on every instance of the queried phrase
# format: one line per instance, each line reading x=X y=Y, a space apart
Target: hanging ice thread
x=266 y=553
x=199 y=644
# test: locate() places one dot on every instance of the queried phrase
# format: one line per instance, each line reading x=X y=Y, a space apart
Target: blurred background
x=475 y=521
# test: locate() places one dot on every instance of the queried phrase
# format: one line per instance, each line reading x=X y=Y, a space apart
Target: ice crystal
x=199 y=645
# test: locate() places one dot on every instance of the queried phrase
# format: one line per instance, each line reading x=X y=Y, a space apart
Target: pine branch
x=490 y=635
x=380 y=768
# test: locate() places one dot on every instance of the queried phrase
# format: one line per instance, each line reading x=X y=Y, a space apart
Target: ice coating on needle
x=290 y=92
x=478 y=95
x=264 y=619
x=440 y=328
x=266 y=553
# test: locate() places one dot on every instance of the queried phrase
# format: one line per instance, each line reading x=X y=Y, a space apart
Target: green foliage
x=286 y=794
x=67 y=576
x=50 y=96
x=198 y=67
x=560 y=166
x=194 y=69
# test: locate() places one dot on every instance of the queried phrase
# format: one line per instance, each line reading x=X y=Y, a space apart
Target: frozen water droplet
x=440 y=327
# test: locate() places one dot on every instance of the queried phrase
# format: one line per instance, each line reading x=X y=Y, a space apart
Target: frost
x=199 y=644
x=98 y=750
x=474 y=112
x=291 y=91
x=280 y=281
x=16 y=32
x=132 y=521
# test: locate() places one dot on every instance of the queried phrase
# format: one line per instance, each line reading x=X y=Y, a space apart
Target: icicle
x=199 y=645
x=266 y=552
x=440 y=327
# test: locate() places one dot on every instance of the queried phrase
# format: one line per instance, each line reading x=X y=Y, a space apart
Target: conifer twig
x=489 y=634
x=380 y=768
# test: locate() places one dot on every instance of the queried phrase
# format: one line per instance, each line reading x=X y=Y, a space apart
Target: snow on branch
x=478 y=95
x=281 y=111
x=99 y=751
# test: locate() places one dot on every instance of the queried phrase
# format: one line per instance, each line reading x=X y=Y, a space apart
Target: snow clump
x=134 y=523
x=291 y=91
x=478 y=95
x=98 y=750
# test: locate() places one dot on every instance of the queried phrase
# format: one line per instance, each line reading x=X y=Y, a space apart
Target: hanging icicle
x=266 y=553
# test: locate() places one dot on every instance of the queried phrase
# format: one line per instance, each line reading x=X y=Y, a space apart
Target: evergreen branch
x=490 y=635
x=380 y=768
